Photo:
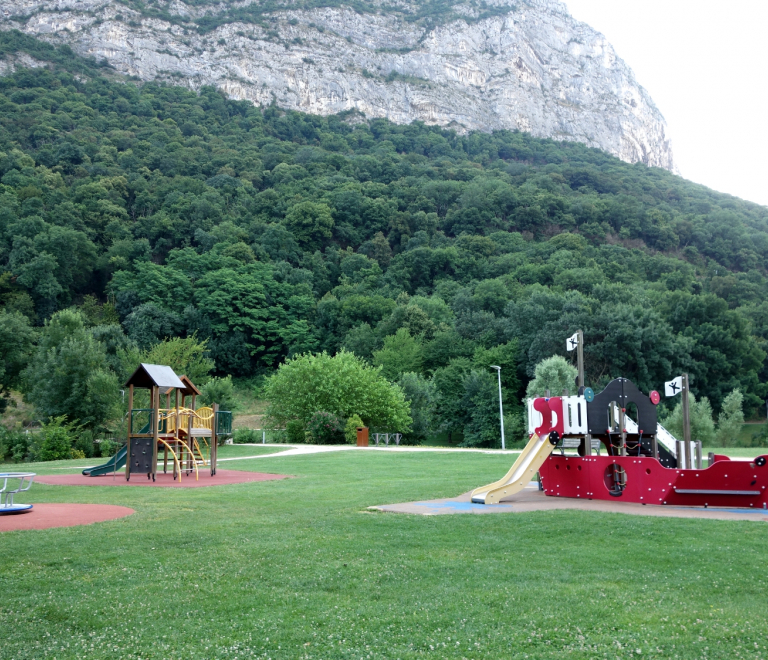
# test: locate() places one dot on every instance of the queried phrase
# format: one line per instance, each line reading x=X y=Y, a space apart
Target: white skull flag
x=572 y=342
x=674 y=386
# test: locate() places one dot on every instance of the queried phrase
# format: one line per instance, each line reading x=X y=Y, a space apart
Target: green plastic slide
x=112 y=465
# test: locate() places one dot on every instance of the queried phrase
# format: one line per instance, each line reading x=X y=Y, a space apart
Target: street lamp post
x=501 y=408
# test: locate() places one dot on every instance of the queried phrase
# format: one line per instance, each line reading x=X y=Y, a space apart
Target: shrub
x=84 y=445
x=341 y=384
x=730 y=420
x=14 y=445
x=326 y=429
x=760 y=439
x=350 y=429
x=295 y=433
x=108 y=447
x=54 y=441
x=702 y=426
x=246 y=436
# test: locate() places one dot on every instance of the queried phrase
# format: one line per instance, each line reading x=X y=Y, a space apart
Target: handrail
x=192 y=455
x=7 y=502
x=175 y=458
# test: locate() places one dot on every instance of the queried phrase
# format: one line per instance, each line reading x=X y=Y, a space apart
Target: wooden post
x=580 y=357
x=214 y=438
x=155 y=428
x=698 y=454
x=686 y=425
x=582 y=385
x=130 y=429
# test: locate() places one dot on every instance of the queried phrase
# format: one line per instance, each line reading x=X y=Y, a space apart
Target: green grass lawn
x=61 y=467
x=300 y=568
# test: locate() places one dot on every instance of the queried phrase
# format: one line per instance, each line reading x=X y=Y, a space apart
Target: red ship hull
x=726 y=483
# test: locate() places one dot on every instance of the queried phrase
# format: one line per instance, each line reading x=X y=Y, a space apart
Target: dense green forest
x=159 y=212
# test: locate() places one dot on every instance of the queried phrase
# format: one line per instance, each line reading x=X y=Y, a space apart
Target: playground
x=302 y=568
x=296 y=552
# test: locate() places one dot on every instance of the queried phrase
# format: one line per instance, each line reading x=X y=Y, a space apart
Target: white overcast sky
x=705 y=64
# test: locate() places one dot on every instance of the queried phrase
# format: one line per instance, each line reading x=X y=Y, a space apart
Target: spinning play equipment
x=643 y=462
x=187 y=436
x=13 y=483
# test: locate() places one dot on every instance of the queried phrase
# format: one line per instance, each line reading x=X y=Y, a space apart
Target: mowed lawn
x=300 y=568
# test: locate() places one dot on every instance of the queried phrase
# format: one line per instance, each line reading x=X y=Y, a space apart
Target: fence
x=258 y=436
x=386 y=437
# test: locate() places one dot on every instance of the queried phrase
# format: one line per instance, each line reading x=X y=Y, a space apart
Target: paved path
x=300 y=450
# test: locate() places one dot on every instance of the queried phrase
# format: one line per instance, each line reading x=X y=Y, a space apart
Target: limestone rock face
x=526 y=65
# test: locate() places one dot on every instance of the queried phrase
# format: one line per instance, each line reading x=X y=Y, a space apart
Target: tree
x=449 y=383
x=702 y=425
x=362 y=341
x=554 y=375
x=730 y=419
x=69 y=374
x=221 y=391
x=421 y=394
x=16 y=343
x=481 y=400
x=186 y=356
x=310 y=223
x=149 y=324
x=401 y=353
x=343 y=385
x=504 y=356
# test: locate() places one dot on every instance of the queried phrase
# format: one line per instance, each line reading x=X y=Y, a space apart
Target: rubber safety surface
x=532 y=499
x=47 y=515
x=222 y=478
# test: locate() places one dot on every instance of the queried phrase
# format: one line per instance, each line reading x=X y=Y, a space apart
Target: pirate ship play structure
x=642 y=462
x=186 y=436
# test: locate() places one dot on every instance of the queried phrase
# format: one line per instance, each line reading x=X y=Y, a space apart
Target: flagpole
x=582 y=385
x=686 y=424
x=580 y=358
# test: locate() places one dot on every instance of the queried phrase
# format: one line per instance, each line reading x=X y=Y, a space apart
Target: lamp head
x=493 y=366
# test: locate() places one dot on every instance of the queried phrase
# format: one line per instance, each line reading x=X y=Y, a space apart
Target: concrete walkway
x=300 y=450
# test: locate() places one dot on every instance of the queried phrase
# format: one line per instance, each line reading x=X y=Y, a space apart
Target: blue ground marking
x=465 y=507
x=719 y=510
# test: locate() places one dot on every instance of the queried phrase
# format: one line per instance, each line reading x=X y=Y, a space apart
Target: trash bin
x=362 y=436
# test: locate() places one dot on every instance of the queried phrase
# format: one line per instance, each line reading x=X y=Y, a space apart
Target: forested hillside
x=268 y=233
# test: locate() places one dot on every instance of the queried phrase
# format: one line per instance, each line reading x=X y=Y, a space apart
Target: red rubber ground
x=222 y=478
x=47 y=515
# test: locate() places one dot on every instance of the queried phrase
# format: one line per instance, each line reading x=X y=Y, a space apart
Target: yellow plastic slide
x=520 y=475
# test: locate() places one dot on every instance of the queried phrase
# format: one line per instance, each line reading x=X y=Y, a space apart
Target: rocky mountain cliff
x=466 y=65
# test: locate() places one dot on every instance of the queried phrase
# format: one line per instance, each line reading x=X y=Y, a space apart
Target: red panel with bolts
x=643 y=480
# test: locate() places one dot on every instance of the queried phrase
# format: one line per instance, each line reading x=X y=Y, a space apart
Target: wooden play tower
x=187 y=436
